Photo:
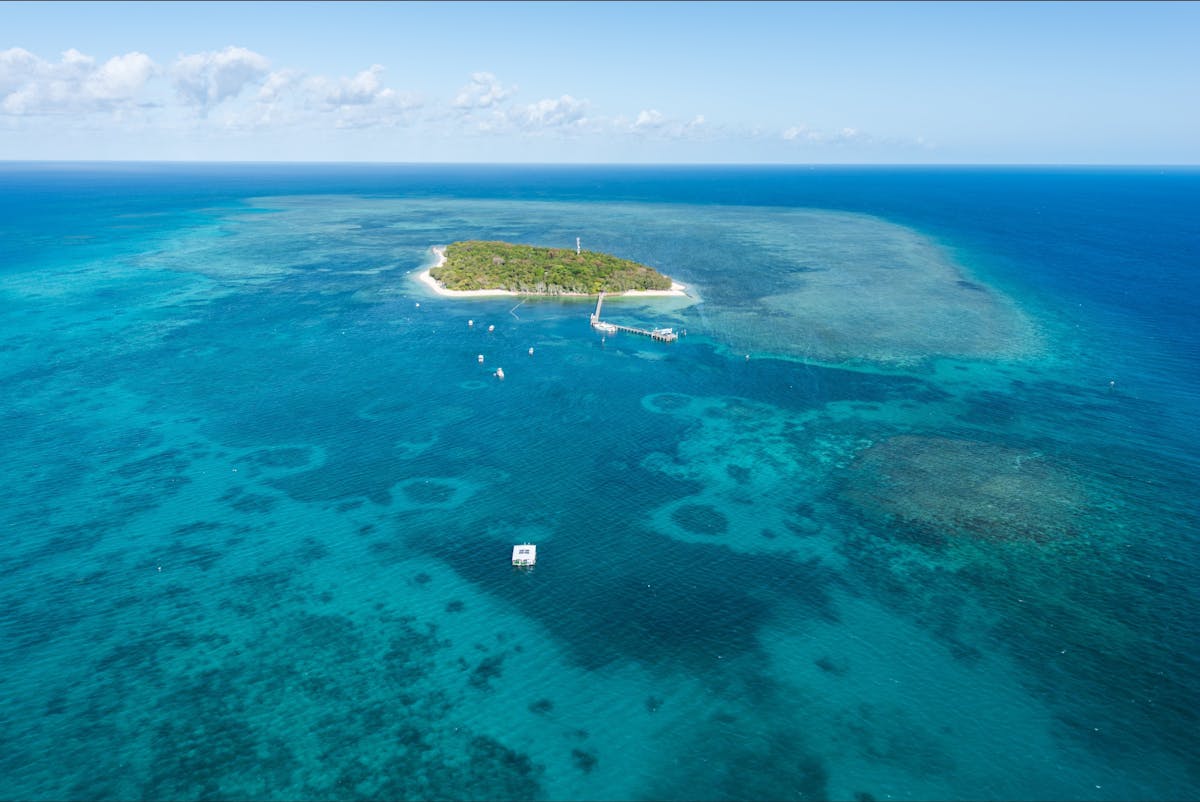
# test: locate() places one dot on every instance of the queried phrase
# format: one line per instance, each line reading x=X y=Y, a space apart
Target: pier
x=665 y=335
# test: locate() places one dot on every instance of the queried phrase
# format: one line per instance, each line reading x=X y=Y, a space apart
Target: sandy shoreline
x=677 y=290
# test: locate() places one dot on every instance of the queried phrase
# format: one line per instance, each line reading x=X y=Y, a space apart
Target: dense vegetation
x=479 y=265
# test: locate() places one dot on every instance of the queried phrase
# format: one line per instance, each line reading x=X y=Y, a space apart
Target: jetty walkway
x=666 y=335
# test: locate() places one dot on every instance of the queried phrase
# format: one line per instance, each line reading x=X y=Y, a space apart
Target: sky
x=602 y=82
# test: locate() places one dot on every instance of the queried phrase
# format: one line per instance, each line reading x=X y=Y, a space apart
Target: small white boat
x=481 y=357
x=499 y=373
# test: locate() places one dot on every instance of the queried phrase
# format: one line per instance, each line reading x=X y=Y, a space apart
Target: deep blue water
x=908 y=513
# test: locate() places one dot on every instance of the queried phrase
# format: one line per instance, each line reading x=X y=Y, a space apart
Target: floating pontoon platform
x=524 y=554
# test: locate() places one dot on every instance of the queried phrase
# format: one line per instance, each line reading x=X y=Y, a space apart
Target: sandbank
x=677 y=290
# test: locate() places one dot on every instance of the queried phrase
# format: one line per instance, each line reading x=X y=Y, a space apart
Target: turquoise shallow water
x=908 y=513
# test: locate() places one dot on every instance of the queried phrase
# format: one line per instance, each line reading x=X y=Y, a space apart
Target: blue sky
x=675 y=82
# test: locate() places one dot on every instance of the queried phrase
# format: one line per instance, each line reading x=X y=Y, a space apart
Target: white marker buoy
x=481 y=357
x=531 y=352
x=470 y=322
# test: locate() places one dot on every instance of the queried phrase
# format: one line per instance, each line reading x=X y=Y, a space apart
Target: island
x=478 y=267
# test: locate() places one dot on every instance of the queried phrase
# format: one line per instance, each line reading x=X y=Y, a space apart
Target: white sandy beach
x=677 y=290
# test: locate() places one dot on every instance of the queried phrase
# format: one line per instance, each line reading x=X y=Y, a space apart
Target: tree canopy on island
x=481 y=265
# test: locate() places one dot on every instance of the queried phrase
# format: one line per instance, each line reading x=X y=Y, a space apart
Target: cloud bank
x=237 y=89
x=75 y=84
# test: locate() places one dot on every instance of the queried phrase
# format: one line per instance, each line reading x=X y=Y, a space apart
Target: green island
x=527 y=269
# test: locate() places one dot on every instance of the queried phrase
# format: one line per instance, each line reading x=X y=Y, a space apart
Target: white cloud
x=360 y=101
x=363 y=89
x=651 y=122
x=484 y=92
x=17 y=66
x=842 y=136
x=799 y=132
x=564 y=114
x=30 y=85
x=569 y=115
x=120 y=77
x=278 y=84
x=649 y=119
x=206 y=79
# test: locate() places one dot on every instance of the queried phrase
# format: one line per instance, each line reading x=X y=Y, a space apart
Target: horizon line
x=368 y=163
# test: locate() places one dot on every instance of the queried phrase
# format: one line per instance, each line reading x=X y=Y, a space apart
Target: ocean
x=907 y=512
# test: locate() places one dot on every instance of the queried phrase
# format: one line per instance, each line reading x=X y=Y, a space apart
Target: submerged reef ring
x=941 y=489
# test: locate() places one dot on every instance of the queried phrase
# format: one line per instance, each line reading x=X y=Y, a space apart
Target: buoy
x=491 y=328
x=481 y=357
x=470 y=322
x=531 y=352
